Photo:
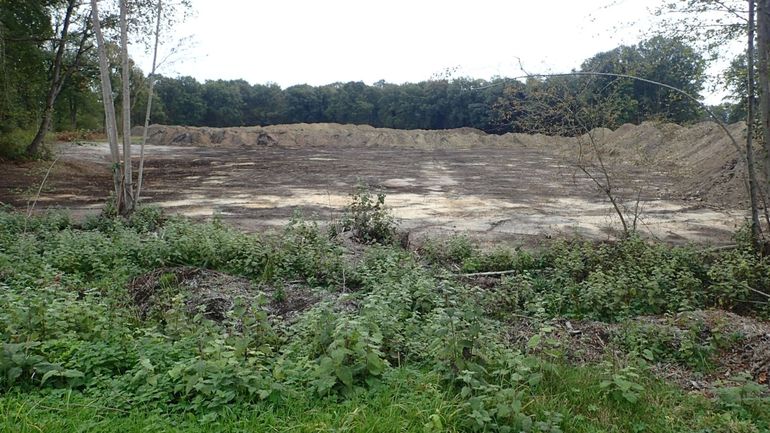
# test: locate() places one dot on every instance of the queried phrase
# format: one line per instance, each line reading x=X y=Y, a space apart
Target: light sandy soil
x=492 y=191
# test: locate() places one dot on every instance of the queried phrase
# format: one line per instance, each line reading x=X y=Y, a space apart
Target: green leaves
x=368 y=218
x=351 y=357
x=534 y=341
x=61 y=373
x=66 y=322
x=24 y=363
x=623 y=385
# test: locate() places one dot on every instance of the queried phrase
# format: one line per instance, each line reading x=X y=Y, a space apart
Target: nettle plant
x=368 y=218
x=351 y=359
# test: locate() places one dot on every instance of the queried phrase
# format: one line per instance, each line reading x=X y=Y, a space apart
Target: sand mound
x=702 y=157
x=321 y=134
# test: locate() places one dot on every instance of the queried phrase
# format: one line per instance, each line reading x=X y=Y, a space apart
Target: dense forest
x=34 y=67
x=489 y=105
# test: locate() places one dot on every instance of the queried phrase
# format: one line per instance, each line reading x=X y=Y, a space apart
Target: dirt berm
x=702 y=156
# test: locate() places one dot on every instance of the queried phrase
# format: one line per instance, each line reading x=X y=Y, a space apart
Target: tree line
x=488 y=105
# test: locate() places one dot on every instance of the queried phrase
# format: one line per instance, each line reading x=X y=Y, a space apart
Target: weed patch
x=237 y=330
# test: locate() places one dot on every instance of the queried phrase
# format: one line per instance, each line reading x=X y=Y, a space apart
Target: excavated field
x=494 y=188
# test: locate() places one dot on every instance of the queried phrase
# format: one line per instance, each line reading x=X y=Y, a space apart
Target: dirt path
x=494 y=193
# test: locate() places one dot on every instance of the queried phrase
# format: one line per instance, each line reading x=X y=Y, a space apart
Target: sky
x=319 y=42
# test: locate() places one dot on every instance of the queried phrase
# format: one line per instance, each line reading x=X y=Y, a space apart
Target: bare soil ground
x=216 y=294
x=494 y=188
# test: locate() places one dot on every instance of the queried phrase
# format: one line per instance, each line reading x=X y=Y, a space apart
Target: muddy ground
x=493 y=188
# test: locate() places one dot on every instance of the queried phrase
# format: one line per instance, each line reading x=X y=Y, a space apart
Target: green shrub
x=688 y=343
x=349 y=356
x=368 y=218
x=146 y=219
x=13 y=144
x=305 y=252
x=446 y=252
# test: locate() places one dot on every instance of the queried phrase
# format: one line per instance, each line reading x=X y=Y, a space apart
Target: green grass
x=575 y=392
x=408 y=401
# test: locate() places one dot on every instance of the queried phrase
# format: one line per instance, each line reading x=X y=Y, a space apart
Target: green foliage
x=146 y=219
x=206 y=368
x=742 y=395
x=13 y=144
x=451 y=251
x=23 y=70
x=610 y=281
x=623 y=384
x=68 y=331
x=349 y=356
x=306 y=252
x=684 y=339
x=666 y=60
x=368 y=218
x=500 y=259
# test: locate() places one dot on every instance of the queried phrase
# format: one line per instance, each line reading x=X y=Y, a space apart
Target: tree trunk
x=110 y=123
x=763 y=67
x=73 y=112
x=57 y=81
x=128 y=184
x=755 y=227
x=150 y=86
x=45 y=126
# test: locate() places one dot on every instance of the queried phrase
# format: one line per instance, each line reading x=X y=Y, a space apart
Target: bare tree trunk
x=110 y=123
x=73 y=103
x=763 y=68
x=5 y=102
x=150 y=87
x=755 y=226
x=128 y=187
x=57 y=81
x=45 y=126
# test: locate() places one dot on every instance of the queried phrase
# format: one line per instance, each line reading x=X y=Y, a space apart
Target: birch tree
x=763 y=69
x=110 y=122
x=127 y=190
x=133 y=13
x=756 y=231
x=148 y=113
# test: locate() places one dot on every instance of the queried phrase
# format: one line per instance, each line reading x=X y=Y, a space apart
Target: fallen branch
x=31 y=207
x=720 y=248
x=487 y=274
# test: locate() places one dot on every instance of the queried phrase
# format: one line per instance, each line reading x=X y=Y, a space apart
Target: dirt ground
x=494 y=188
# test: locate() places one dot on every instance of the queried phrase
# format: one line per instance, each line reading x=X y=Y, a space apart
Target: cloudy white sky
x=319 y=42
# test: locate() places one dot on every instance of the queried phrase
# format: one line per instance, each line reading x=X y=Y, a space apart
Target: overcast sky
x=324 y=41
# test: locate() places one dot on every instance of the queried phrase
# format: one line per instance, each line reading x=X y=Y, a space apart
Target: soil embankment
x=702 y=155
